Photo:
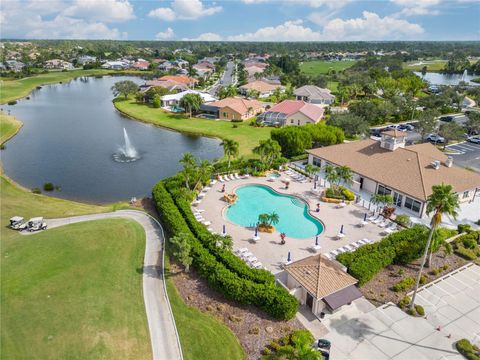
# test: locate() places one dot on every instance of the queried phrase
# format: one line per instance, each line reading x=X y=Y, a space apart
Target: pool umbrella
x=341 y=230
x=224 y=229
x=256 y=231
x=316 y=240
x=315 y=184
x=365 y=217
x=289 y=258
x=197 y=198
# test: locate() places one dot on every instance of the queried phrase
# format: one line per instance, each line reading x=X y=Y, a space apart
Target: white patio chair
x=349 y=248
x=368 y=241
x=355 y=245
x=213 y=182
x=220 y=178
x=207 y=223
x=237 y=176
x=258 y=265
x=340 y=235
x=226 y=178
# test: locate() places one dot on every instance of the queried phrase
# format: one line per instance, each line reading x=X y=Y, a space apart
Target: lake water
x=70 y=135
x=446 y=79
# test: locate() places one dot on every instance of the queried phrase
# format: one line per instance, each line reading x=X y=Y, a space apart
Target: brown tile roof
x=319 y=276
x=260 y=86
x=237 y=104
x=407 y=170
x=179 y=78
x=290 y=107
x=395 y=133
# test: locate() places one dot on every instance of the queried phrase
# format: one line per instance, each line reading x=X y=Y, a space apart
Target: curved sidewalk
x=163 y=332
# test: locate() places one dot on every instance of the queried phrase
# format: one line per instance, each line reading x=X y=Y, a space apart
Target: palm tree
x=345 y=174
x=383 y=200
x=263 y=219
x=331 y=175
x=191 y=102
x=311 y=169
x=204 y=171
x=230 y=149
x=269 y=150
x=189 y=165
x=441 y=201
x=273 y=218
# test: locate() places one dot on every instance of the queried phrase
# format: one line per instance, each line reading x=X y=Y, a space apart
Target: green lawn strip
x=9 y=126
x=247 y=136
x=431 y=66
x=16 y=89
x=75 y=292
x=202 y=336
x=319 y=67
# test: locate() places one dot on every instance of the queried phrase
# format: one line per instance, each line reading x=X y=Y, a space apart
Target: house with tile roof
x=264 y=88
x=314 y=94
x=292 y=113
x=187 y=80
x=234 y=108
x=407 y=173
x=172 y=100
x=321 y=284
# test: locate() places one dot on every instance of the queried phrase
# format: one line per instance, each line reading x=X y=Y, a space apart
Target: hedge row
x=401 y=247
x=272 y=299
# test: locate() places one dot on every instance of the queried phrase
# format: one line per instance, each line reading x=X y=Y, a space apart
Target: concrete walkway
x=163 y=332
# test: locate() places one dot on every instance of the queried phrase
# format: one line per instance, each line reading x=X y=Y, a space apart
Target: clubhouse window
x=413 y=205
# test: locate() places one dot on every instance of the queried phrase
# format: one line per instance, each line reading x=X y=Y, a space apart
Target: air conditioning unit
x=436 y=164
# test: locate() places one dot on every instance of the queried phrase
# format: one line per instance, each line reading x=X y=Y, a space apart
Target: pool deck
x=268 y=249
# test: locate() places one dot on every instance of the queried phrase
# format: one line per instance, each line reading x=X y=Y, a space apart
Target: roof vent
x=436 y=164
x=449 y=162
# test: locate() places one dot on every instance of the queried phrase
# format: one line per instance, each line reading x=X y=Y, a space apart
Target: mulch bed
x=239 y=318
x=379 y=289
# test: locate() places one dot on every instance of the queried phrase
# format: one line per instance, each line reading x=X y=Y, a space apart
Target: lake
x=446 y=79
x=72 y=134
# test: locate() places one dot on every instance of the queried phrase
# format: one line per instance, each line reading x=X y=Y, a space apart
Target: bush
x=48 y=186
x=403 y=285
x=463 y=228
x=420 y=310
x=467 y=254
x=13 y=102
x=156 y=101
x=469 y=243
x=342 y=194
x=221 y=272
x=423 y=279
x=36 y=190
x=405 y=302
x=403 y=220
x=468 y=350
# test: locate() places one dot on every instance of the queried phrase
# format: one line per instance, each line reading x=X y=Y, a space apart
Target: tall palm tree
x=191 y=103
x=273 y=218
x=345 y=174
x=205 y=169
x=441 y=201
x=189 y=165
x=269 y=150
x=331 y=175
x=230 y=149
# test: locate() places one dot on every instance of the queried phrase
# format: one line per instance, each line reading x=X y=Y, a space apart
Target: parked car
x=391 y=127
x=405 y=127
x=36 y=224
x=324 y=344
x=16 y=223
x=446 y=118
x=474 y=139
x=437 y=139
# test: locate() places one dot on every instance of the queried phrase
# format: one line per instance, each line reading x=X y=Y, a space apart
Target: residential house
x=166 y=66
x=86 y=59
x=141 y=64
x=314 y=94
x=321 y=284
x=170 y=85
x=233 y=108
x=292 y=113
x=204 y=68
x=14 y=65
x=116 y=65
x=58 y=64
x=407 y=173
x=172 y=100
x=189 y=81
x=264 y=88
x=252 y=70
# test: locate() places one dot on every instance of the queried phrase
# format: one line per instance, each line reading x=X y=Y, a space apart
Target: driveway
x=163 y=332
x=466 y=154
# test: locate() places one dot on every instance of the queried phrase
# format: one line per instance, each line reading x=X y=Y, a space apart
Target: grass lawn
x=319 y=67
x=432 y=65
x=202 y=336
x=332 y=86
x=9 y=126
x=247 y=136
x=74 y=293
x=15 y=89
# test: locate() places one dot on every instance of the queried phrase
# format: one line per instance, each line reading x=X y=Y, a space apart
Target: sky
x=241 y=20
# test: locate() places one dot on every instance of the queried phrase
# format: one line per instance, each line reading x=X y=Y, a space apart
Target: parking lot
x=466 y=154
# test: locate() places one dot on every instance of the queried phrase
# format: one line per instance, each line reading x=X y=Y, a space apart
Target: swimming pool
x=253 y=200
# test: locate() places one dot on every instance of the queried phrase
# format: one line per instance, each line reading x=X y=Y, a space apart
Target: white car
x=435 y=138
x=474 y=139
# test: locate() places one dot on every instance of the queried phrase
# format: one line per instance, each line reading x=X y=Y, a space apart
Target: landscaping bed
x=244 y=320
x=379 y=289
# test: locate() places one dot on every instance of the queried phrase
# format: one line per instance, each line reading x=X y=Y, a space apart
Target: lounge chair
x=342 y=250
x=213 y=182
x=199 y=210
x=349 y=248
x=355 y=245
x=240 y=251
x=334 y=254
x=340 y=235
x=361 y=242
x=258 y=265
x=368 y=241
x=246 y=255
x=220 y=178
x=206 y=188
x=251 y=259
x=237 y=176
x=201 y=195
x=207 y=223
x=383 y=224
x=328 y=256
x=378 y=220
x=226 y=178
x=315 y=248
x=246 y=176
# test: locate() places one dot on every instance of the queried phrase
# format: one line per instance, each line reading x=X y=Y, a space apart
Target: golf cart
x=16 y=223
x=35 y=224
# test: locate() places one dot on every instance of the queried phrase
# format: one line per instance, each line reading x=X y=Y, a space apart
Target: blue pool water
x=253 y=200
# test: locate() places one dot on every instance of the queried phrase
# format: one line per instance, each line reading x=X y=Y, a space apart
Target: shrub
x=465 y=348
x=156 y=101
x=36 y=190
x=405 y=284
x=48 y=186
x=403 y=220
x=254 y=331
x=461 y=228
x=467 y=254
x=404 y=302
x=423 y=279
x=13 y=102
x=266 y=351
x=469 y=243
x=420 y=310
x=343 y=193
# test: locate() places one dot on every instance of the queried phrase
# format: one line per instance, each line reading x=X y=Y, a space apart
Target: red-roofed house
x=292 y=112
x=141 y=65
x=190 y=82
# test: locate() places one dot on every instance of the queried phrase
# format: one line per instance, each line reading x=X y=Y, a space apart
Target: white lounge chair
x=207 y=223
x=378 y=220
x=328 y=256
x=349 y=248
x=334 y=254
x=383 y=224
x=246 y=255
x=258 y=265
x=220 y=178
x=361 y=242
x=355 y=245
x=340 y=235
x=206 y=188
x=246 y=176
x=251 y=259
x=201 y=195
x=213 y=182
x=226 y=178
x=341 y=250
x=237 y=176
x=199 y=210
x=368 y=241
x=240 y=251
x=315 y=248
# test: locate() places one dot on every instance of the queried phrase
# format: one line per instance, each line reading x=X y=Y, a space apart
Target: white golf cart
x=16 y=223
x=36 y=224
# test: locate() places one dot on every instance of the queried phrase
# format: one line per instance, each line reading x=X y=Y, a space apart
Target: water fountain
x=464 y=76
x=127 y=152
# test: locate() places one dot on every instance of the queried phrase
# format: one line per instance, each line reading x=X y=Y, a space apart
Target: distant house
x=14 y=65
x=172 y=100
x=116 y=65
x=170 y=85
x=86 y=59
x=264 y=88
x=314 y=94
x=252 y=70
x=166 y=66
x=321 y=284
x=141 y=64
x=389 y=167
x=293 y=113
x=189 y=81
x=233 y=108
x=58 y=64
x=204 y=68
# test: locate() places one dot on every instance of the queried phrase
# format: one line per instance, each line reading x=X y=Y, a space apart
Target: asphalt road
x=467 y=154
x=163 y=332
x=226 y=79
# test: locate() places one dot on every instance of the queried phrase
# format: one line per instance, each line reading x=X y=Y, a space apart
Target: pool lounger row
x=249 y=258
x=223 y=178
x=297 y=176
x=348 y=248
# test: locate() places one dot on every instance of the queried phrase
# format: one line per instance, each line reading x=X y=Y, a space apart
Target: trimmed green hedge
x=401 y=247
x=344 y=194
x=269 y=297
x=468 y=350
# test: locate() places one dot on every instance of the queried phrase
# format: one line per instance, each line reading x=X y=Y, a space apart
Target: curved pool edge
x=311 y=213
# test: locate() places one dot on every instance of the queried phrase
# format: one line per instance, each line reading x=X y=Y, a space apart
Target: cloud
x=288 y=31
x=184 y=10
x=416 y=7
x=164 y=35
x=331 y=4
x=101 y=10
x=206 y=37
